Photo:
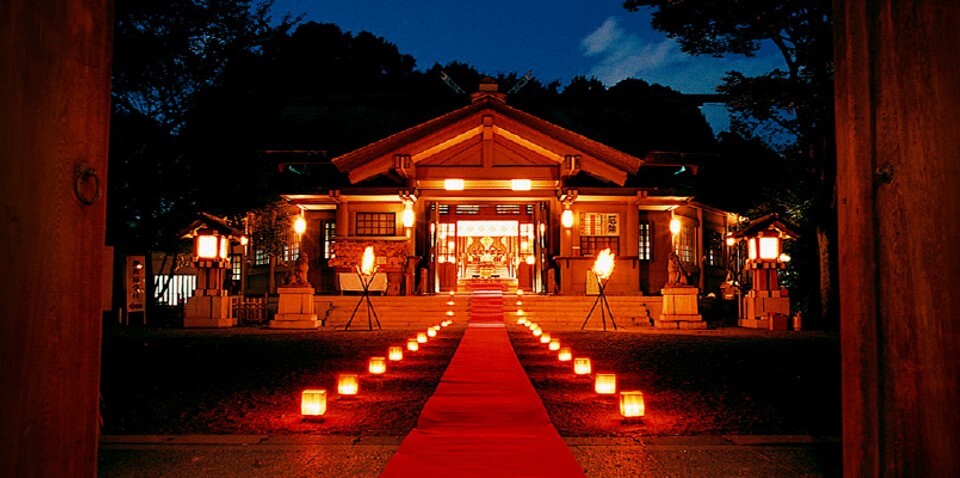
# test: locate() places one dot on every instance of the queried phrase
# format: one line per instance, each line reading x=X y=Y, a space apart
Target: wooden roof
x=486 y=139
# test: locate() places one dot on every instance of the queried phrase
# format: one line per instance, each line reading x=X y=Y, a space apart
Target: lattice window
x=260 y=257
x=591 y=245
x=236 y=266
x=376 y=224
x=687 y=246
x=714 y=249
x=328 y=230
x=645 y=237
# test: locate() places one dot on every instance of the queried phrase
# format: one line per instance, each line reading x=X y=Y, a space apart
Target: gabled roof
x=209 y=221
x=770 y=221
x=521 y=138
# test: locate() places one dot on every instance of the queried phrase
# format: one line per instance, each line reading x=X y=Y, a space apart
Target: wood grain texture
x=898 y=139
x=54 y=108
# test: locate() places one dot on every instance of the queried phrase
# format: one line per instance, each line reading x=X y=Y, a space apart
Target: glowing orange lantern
x=554 y=344
x=522 y=320
x=520 y=312
x=449 y=313
x=537 y=332
x=313 y=402
x=348 y=384
x=565 y=354
x=413 y=345
x=421 y=337
x=450 y=303
x=395 y=354
x=605 y=383
x=519 y=303
x=519 y=292
x=431 y=332
x=377 y=365
x=581 y=366
x=545 y=338
x=631 y=404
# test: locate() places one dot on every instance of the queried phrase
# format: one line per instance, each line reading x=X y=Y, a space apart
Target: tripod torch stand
x=602 y=268
x=366 y=273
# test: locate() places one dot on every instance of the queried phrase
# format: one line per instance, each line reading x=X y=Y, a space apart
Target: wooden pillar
x=898 y=144
x=54 y=111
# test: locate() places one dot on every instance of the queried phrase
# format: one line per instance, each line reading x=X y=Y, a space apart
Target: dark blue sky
x=556 y=39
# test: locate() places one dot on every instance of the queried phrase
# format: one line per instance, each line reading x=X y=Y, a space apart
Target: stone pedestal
x=208 y=308
x=295 y=309
x=766 y=309
x=680 y=309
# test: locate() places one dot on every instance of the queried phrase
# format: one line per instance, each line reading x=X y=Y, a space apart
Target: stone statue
x=676 y=276
x=297 y=275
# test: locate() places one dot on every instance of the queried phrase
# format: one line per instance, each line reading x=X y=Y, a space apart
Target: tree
x=797 y=101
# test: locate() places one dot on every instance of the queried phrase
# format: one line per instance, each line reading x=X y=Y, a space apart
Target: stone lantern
x=210 y=304
x=767 y=305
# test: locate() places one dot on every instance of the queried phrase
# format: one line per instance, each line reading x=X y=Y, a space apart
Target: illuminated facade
x=479 y=194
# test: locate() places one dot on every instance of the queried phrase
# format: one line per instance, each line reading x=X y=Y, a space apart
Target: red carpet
x=485 y=419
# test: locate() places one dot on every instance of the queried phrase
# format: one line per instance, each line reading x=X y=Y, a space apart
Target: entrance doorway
x=486 y=242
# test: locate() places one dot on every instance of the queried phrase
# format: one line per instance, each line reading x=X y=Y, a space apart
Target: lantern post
x=767 y=304
x=210 y=304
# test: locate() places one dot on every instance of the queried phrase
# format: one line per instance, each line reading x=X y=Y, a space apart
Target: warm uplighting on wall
x=631 y=404
x=605 y=384
x=545 y=338
x=520 y=184
x=348 y=384
x=431 y=332
x=421 y=337
x=453 y=184
x=554 y=345
x=408 y=217
x=581 y=366
x=413 y=345
x=565 y=354
x=313 y=402
x=395 y=353
x=377 y=365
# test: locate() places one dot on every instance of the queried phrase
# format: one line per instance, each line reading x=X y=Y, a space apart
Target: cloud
x=624 y=55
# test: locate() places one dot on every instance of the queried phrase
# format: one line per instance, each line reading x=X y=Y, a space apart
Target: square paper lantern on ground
x=348 y=384
x=631 y=404
x=431 y=332
x=545 y=338
x=565 y=354
x=421 y=337
x=537 y=332
x=313 y=402
x=413 y=345
x=581 y=366
x=395 y=354
x=377 y=365
x=605 y=384
x=554 y=345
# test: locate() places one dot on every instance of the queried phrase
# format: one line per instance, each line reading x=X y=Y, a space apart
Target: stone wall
x=391 y=258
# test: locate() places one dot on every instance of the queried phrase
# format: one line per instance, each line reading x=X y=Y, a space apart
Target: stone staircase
x=568 y=312
x=395 y=312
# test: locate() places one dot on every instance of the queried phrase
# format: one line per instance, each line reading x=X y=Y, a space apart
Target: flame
x=603 y=266
x=368 y=265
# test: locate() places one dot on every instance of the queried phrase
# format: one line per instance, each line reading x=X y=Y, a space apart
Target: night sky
x=556 y=39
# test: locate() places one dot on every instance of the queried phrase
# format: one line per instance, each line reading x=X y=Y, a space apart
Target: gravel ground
x=248 y=381
x=729 y=381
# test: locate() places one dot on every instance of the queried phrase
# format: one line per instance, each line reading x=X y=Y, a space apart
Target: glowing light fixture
x=531 y=260
x=674 y=226
x=431 y=332
x=605 y=383
x=603 y=266
x=377 y=365
x=537 y=332
x=395 y=353
x=348 y=384
x=581 y=366
x=769 y=247
x=244 y=240
x=450 y=303
x=449 y=313
x=421 y=337
x=413 y=345
x=520 y=184
x=313 y=402
x=631 y=404
x=566 y=218
x=519 y=303
x=730 y=241
x=545 y=338
x=408 y=216
x=565 y=354
x=752 y=249
x=453 y=184
x=300 y=225
x=522 y=321
x=554 y=345
x=209 y=245
x=785 y=257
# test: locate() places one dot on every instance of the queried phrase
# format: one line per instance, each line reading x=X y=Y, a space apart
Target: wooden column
x=54 y=111
x=898 y=144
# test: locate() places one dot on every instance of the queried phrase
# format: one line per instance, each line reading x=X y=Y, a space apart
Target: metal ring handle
x=85 y=175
